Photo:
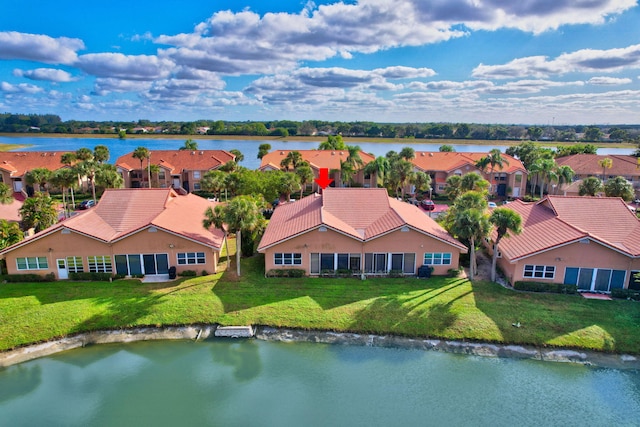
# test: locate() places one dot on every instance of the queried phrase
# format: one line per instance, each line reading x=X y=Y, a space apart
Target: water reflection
x=21 y=380
x=243 y=357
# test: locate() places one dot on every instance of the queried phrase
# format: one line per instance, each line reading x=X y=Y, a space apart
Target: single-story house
x=129 y=232
x=592 y=242
x=178 y=169
x=358 y=229
x=324 y=159
x=508 y=180
x=15 y=164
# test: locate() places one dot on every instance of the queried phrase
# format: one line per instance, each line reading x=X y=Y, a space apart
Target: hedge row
x=558 y=288
x=286 y=272
x=93 y=277
x=18 y=278
x=626 y=294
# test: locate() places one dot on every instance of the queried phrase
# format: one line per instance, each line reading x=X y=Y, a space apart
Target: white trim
x=577 y=240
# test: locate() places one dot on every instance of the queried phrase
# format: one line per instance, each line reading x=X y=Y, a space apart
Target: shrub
x=344 y=272
x=626 y=294
x=454 y=272
x=188 y=273
x=93 y=277
x=396 y=273
x=205 y=273
x=20 y=278
x=558 y=288
x=286 y=272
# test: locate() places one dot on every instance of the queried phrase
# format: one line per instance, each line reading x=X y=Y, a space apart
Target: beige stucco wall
x=586 y=255
x=58 y=245
x=333 y=242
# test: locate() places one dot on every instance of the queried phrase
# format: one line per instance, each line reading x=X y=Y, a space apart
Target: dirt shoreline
x=265 y=333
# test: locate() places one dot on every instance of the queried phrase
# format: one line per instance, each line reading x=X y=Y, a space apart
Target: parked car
x=86 y=204
x=428 y=205
x=492 y=205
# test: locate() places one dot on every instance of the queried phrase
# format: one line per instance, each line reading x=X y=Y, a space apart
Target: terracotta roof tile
x=362 y=213
x=317 y=159
x=587 y=164
x=179 y=160
x=19 y=162
x=558 y=220
x=450 y=161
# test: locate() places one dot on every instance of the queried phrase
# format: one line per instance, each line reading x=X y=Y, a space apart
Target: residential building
x=358 y=229
x=129 y=232
x=508 y=180
x=178 y=169
x=15 y=164
x=325 y=159
x=586 y=165
x=592 y=242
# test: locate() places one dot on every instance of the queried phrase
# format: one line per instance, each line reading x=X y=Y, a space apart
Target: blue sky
x=483 y=61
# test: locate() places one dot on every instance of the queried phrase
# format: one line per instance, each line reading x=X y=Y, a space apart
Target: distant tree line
x=34 y=123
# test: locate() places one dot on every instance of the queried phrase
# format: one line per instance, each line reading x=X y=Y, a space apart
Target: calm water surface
x=257 y=383
x=249 y=148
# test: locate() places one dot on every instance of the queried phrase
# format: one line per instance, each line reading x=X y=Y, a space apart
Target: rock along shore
x=202 y=332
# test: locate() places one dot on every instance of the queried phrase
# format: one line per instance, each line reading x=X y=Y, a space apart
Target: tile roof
x=317 y=159
x=11 y=212
x=361 y=213
x=121 y=212
x=557 y=220
x=178 y=160
x=450 y=161
x=17 y=163
x=587 y=164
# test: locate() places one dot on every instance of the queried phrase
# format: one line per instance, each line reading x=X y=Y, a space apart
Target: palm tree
x=505 y=221
x=69 y=159
x=399 y=175
x=590 y=186
x=333 y=143
x=142 y=153
x=214 y=181
x=545 y=169
x=473 y=181
x=564 y=175
x=39 y=176
x=293 y=158
x=107 y=176
x=305 y=174
x=407 y=153
x=38 y=212
x=452 y=187
x=10 y=233
x=155 y=170
x=263 y=150
x=101 y=153
x=353 y=162
x=619 y=187
x=190 y=145
x=380 y=167
x=495 y=159
x=58 y=179
x=238 y=154
x=88 y=168
x=472 y=225
x=6 y=194
x=243 y=214
x=289 y=183
x=84 y=154
x=420 y=180
x=605 y=164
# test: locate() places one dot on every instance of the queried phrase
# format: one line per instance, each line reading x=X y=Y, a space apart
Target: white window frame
x=532 y=271
x=32 y=263
x=196 y=174
x=191 y=258
x=100 y=264
x=437 y=258
x=74 y=264
x=287 y=258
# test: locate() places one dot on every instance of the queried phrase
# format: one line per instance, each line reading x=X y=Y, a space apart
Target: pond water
x=252 y=382
x=249 y=148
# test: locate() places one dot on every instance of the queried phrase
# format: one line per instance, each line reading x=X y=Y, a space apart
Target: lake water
x=249 y=148
x=259 y=383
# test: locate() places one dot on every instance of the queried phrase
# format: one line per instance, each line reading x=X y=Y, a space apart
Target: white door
x=17 y=186
x=176 y=182
x=62 y=269
x=516 y=192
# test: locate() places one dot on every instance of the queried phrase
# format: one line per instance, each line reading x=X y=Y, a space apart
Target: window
x=539 y=271
x=191 y=258
x=74 y=264
x=99 y=264
x=287 y=259
x=32 y=263
x=162 y=175
x=196 y=174
x=196 y=186
x=375 y=263
x=437 y=258
x=332 y=262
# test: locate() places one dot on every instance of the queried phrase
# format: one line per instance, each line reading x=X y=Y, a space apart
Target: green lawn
x=450 y=308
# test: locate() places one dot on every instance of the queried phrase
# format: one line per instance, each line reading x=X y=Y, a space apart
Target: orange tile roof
x=317 y=159
x=19 y=162
x=11 y=212
x=557 y=220
x=361 y=213
x=587 y=164
x=178 y=160
x=450 y=161
x=121 y=212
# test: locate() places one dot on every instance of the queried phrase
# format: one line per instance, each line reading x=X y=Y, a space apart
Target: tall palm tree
x=289 y=183
x=619 y=187
x=472 y=225
x=399 y=172
x=590 y=186
x=263 y=150
x=305 y=174
x=293 y=159
x=473 y=181
x=10 y=233
x=39 y=176
x=190 y=145
x=506 y=221
x=107 y=176
x=101 y=153
x=564 y=175
x=379 y=167
x=239 y=156
x=333 y=143
x=142 y=153
x=605 y=164
x=452 y=187
x=213 y=181
x=421 y=180
x=546 y=171
x=89 y=168
x=69 y=159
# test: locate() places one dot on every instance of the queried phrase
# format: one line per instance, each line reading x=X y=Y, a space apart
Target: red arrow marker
x=323 y=180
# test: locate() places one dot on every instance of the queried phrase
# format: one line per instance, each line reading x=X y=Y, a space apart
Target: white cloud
x=20 y=88
x=608 y=81
x=45 y=74
x=128 y=67
x=39 y=48
x=584 y=60
x=104 y=86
